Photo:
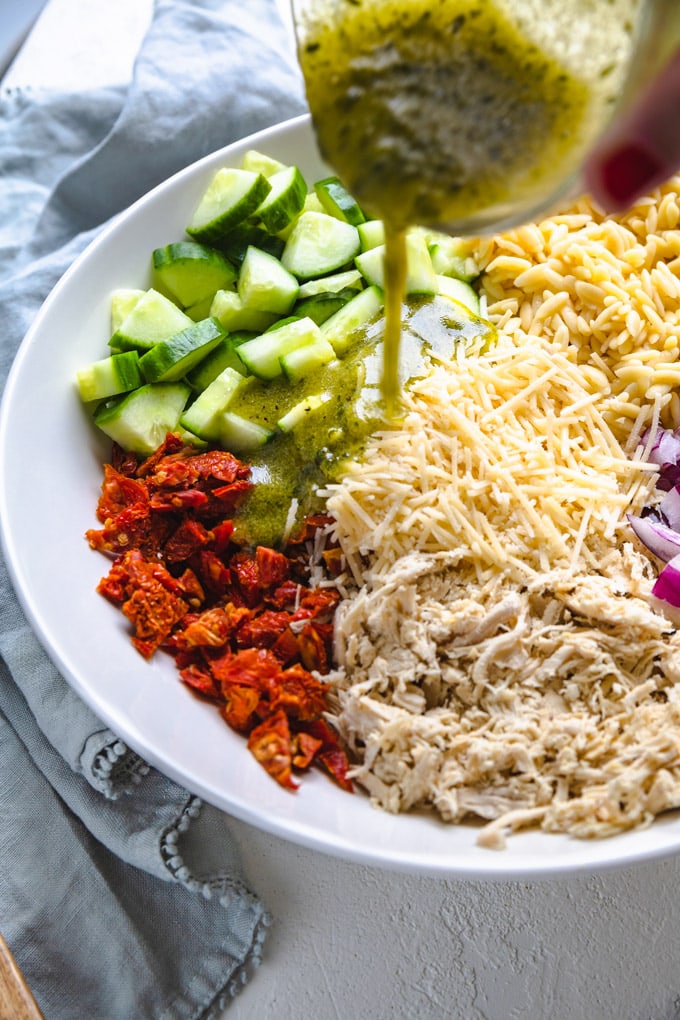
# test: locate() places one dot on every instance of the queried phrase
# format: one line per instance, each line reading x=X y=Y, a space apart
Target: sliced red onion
x=670 y=508
x=666 y=447
x=662 y=541
x=667 y=585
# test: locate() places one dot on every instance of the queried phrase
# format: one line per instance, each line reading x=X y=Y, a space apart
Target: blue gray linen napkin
x=120 y=893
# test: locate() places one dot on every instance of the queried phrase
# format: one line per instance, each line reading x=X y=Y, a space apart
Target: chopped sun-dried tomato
x=244 y=628
x=186 y=540
x=286 y=596
x=273 y=567
x=314 y=652
x=240 y=706
x=270 y=742
x=210 y=628
x=304 y=748
x=222 y=535
x=200 y=679
x=298 y=693
x=212 y=573
x=252 y=666
x=118 y=492
x=263 y=630
x=338 y=766
x=153 y=613
x=319 y=601
x=286 y=647
x=331 y=755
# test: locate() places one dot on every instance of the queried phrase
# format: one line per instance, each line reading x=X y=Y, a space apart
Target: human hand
x=641 y=150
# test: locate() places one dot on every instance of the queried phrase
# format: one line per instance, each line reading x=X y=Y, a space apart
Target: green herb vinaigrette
x=431 y=111
x=292 y=465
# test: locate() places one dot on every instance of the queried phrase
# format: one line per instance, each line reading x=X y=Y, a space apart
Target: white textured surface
x=354 y=943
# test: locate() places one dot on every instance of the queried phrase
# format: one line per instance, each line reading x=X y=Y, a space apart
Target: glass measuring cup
x=471 y=115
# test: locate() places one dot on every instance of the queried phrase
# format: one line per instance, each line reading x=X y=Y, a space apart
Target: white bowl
x=48 y=446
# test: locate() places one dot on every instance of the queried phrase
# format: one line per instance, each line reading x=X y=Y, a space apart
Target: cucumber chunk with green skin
x=319 y=244
x=241 y=435
x=123 y=300
x=203 y=416
x=459 y=291
x=236 y=243
x=299 y=412
x=234 y=316
x=191 y=272
x=450 y=258
x=299 y=362
x=420 y=275
x=371 y=234
x=140 y=420
x=337 y=201
x=320 y=307
x=171 y=359
x=201 y=310
x=260 y=163
x=231 y=197
x=118 y=373
x=285 y=200
x=263 y=283
x=153 y=318
x=339 y=329
x=350 y=279
x=223 y=355
x=262 y=355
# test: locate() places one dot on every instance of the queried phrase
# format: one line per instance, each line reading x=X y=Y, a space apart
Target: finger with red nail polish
x=643 y=149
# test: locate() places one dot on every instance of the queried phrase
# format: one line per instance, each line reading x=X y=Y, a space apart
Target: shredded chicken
x=553 y=705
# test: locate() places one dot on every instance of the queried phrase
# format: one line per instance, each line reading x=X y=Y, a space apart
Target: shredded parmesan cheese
x=508 y=457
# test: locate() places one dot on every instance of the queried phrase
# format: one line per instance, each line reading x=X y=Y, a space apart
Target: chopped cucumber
x=202 y=417
x=241 y=435
x=201 y=310
x=321 y=306
x=230 y=198
x=260 y=163
x=233 y=315
x=236 y=243
x=191 y=272
x=337 y=201
x=312 y=203
x=118 y=373
x=123 y=300
x=299 y=412
x=302 y=360
x=222 y=356
x=263 y=283
x=319 y=244
x=450 y=258
x=153 y=318
x=140 y=420
x=285 y=200
x=282 y=322
x=371 y=234
x=459 y=291
x=262 y=355
x=171 y=359
x=338 y=329
x=351 y=278
x=420 y=275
